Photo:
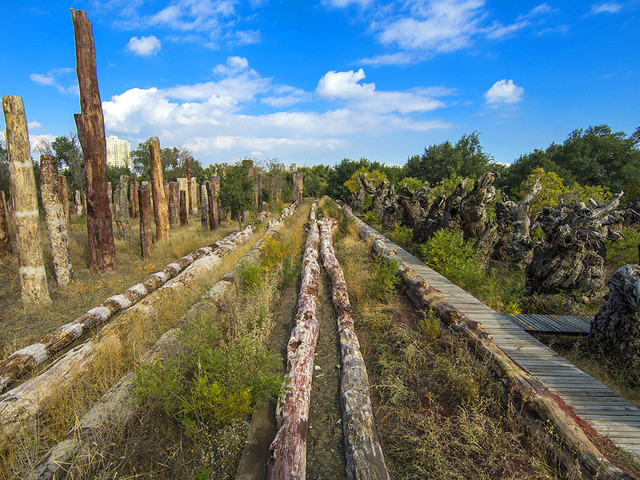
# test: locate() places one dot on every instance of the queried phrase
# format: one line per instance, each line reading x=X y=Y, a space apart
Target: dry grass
x=435 y=414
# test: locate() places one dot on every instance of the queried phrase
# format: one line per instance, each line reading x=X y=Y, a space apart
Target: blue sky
x=318 y=81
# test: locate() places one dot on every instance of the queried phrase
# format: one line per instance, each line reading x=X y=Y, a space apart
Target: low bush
x=371 y=218
x=403 y=236
x=382 y=283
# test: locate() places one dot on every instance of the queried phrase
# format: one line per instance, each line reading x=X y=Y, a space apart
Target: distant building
x=283 y=167
x=118 y=153
x=293 y=167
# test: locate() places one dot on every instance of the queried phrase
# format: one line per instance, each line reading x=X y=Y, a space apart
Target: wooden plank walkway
x=607 y=412
x=551 y=324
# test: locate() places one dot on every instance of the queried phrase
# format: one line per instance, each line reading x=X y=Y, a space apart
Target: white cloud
x=34 y=125
x=344 y=85
x=398 y=58
x=504 y=91
x=346 y=3
x=244 y=37
x=42 y=79
x=607 y=7
x=144 y=46
x=55 y=78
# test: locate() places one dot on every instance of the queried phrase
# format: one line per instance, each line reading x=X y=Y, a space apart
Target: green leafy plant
x=403 y=236
x=250 y=275
x=371 y=217
x=382 y=283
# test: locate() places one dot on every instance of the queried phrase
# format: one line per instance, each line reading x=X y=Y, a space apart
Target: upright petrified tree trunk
x=77 y=200
x=145 y=220
x=187 y=173
x=64 y=196
x=121 y=208
x=174 y=204
x=212 y=210
x=24 y=201
x=133 y=198
x=259 y=191
x=184 y=218
x=90 y=125
x=5 y=243
x=157 y=187
x=55 y=218
x=204 y=206
x=296 y=192
x=195 y=191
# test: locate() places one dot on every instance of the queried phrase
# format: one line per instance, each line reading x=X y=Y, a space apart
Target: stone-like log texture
x=144 y=199
x=184 y=218
x=473 y=207
x=55 y=219
x=5 y=242
x=520 y=251
x=134 y=200
x=24 y=202
x=212 y=206
x=160 y=209
x=174 y=204
x=567 y=441
x=64 y=196
x=289 y=447
x=26 y=359
x=187 y=173
x=365 y=460
x=296 y=191
x=615 y=330
x=90 y=125
x=195 y=192
x=118 y=406
x=204 y=205
x=121 y=208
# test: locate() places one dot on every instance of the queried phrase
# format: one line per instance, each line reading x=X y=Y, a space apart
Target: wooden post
x=5 y=242
x=133 y=198
x=184 y=217
x=55 y=218
x=215 y=187
x=187 y=173
x=213 y=224
x=157 y=187
x=204 y=206
x=195 y=190
x=145 y=220
x=259 y=191
x=174 y=204
x=24 y=202
x=77 y=199
x=90 y=125
x=296 y=192
x=64 y=196
x=121 y=208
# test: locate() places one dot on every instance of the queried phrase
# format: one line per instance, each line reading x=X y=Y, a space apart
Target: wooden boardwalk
x=552 y=324
x=606 y=411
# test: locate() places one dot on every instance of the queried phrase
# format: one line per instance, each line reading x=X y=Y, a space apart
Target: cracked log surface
x=365 y=460
x=289 y=447
x=539 y=409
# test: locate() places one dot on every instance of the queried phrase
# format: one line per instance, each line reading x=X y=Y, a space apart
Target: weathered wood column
x=157 y=188
x=55 y=218
x=145 y=220
x=187 y=173
x=184 y=217
x=213 y=224
x=133 y=198
x=5 y=243
x=64 y=196
x=90 y=125
x=195 y=191
x=204 y=205
x=24 y=202
x=259 y=191
x=174 y=204
x=121 y=208
x=77 y=200
x=296 y=192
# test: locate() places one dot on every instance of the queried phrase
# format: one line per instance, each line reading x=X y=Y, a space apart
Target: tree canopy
x=236 y=189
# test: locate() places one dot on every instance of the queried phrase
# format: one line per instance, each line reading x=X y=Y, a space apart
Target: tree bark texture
x=117 y=407
x=79 y=204
x=275 y=187
x=195 y=191
x=174 y=204
x=5 y=240
x=520 y=251
x=90 y=125
x=121 y=208
x=134 y=199
x=64 y=196
x=212 y=204
x=184 y=218
x=26 y=359
x=56 y=219
x=24 y=201
x=296 y=191
x=145 y=221
x=20 y=407
x=289 y=447
x=539 y=409
x=365 y=460
x=187 y=173
x=204 y=205
x=259 y=191
x=160 y=209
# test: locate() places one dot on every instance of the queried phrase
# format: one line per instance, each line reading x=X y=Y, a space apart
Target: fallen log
x=26 y=359
x=539 y=409
x=117 y=407
x=289 y=447
x=365 y=460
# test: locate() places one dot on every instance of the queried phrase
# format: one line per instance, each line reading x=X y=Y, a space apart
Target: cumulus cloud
x=608 y=7
x=144 y=46
x=34 y=125
x=344 y=85
x=504 y=91
x=346 y=3
x=55 y=78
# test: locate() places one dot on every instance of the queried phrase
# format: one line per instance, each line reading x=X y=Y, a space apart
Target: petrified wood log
x=296 y=191
x=520 y=251
x=160 y=209
x=572 y=255
x=24 y=202
x=538 y=408
x=90 y=126
x=289 y=447
x=184 y=219
x=187 y=174
x=473 y=207
x=174 y=204
x=204 y=205
x=145 y=220
x=211 y=206
x=64 y=196
x=195 y=192
x=134 y=199
x=5 y=241
x=615 y=330
x=365 y=459
x=55 y=219
x=121 y=208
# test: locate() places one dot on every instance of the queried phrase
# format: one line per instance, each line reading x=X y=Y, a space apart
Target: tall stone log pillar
x=195 y=191
x=64 y=196
x=296 y=192
x=259 y=191
x=79 y=204
x=212 y=210
x=90 y=125
x=5 y=243
x=145 y=220
x=187 y=173
x=55 y=218
x=174 y=204
x=24 y=202
x=204 y=205
x=184 y=217
x=157 y=187
x=121 y=208
x=133 y=198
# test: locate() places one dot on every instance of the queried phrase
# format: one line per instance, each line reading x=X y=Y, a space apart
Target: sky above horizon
x=316 y=82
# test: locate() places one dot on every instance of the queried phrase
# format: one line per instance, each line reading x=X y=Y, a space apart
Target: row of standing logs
x=539 y=409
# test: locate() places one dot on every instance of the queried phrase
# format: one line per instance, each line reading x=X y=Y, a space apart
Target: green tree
x=141 y=159
x=236 y=190
x=316 y=180
x=113 y=174
x=343 y=172
x=70 y=160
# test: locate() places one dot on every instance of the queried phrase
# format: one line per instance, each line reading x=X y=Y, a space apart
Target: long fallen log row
x=365 y=460
x=289 y=447
x=25 y=360
x=19 y=408
x=540 y=410
x=117 y=407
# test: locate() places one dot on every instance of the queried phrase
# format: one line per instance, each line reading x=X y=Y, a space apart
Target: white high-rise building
x=118 y=152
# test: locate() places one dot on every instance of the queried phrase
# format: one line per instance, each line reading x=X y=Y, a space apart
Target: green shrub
x=383 y=281
x=250 y=275
x=371 y=217
x=430 y=326
x=403 y=236
x=624 y=251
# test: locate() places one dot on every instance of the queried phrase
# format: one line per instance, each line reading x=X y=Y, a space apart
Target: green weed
x=371 y=218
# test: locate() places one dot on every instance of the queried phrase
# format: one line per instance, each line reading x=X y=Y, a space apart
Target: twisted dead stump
x=5 y=241
x=90 y=125
x=473 y=207
x=145 y=221
x=24 y=200
x=365 y=460
x=55 y=219
x=289 y=447
x=520 y=251
x=160 y=209
x=184 y=219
